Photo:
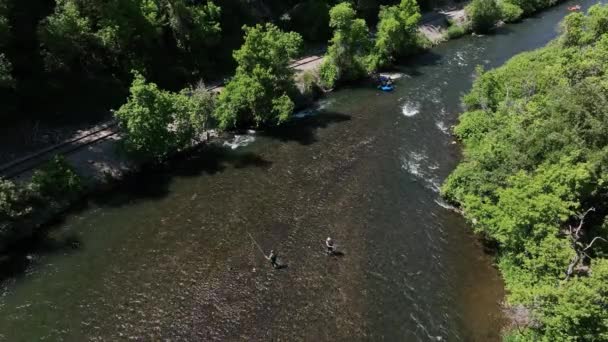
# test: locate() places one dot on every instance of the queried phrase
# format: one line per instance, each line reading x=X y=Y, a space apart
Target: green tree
x=348 y=53
x=484 y=14
x=397 y=32
x=156 y=122
x=66 y=36
x=92 y=35
x=193 y=26
x=510 y=12
x=203 y=103
x=259 y=93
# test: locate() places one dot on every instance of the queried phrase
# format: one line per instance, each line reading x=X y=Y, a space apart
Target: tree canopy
x=259 y=93
x=483 y=14
x=396 y=33
x=349 y=49
x=158 y=122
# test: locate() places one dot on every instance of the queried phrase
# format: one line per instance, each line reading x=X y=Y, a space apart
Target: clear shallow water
x=170 y=256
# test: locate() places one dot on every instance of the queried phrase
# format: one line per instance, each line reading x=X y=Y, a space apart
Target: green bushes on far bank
x=484 y=15
x=534 y=179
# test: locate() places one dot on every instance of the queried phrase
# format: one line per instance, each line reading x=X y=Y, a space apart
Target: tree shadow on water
x=18 y=257
x=213 y=158
x=411 y=65
x=302 y=130
x=153 y=181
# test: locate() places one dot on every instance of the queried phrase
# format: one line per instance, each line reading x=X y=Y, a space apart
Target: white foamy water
x=239 y=141
x=460 y=60
x=417 y=165
x=304 y=113
x=412 y=163
x=447 y=206
x=410 y=109
x=319 y=106
x=394 y=76
x=442 y=127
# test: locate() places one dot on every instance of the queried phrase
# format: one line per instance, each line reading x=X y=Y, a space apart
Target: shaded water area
x=170 y=255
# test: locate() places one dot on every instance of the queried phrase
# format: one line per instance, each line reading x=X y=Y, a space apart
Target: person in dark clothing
x=272 y=257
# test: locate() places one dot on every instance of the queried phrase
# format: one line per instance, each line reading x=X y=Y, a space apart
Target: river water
x=172 y=254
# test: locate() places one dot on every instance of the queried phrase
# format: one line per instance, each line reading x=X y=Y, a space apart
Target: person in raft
x=331 y=248
x=272 y=257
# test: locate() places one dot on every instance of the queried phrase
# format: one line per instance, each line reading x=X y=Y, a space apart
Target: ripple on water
x=410 y=109
x=239 y=141
x=443 y=127
x=415 y=164
x=319 y=106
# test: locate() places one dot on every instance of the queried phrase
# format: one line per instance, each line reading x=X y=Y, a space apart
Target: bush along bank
x=534 y=179
x=25 y=207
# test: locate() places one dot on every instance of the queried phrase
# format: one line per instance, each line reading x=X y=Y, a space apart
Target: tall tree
x=158 y=122
x=348 y=51
x=396 y=33
x=260 y=91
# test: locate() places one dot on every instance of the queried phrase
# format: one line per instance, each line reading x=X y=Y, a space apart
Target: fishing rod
x=256 y=243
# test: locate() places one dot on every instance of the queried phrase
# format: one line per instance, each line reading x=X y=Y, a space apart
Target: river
x=172 y=256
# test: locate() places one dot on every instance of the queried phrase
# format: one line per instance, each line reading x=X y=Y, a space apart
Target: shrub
x=510 y=12
x=483 y=14
x=56 y=179
x=203 y=103
x=13 y=201
x=455 y=31
x=347 y=56
x=308 y=83
x=397 y=33
x=328 y=74
x=157 y=122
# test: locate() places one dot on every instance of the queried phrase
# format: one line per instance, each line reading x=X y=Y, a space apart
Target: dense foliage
x=509 y=11
x=158 y=122
x=349 y=49
x=259 y=93
x=484 y=14
x=100 y=38
x=54 y=182
x=397 y=32
x=536 y=151
x=56 y=179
